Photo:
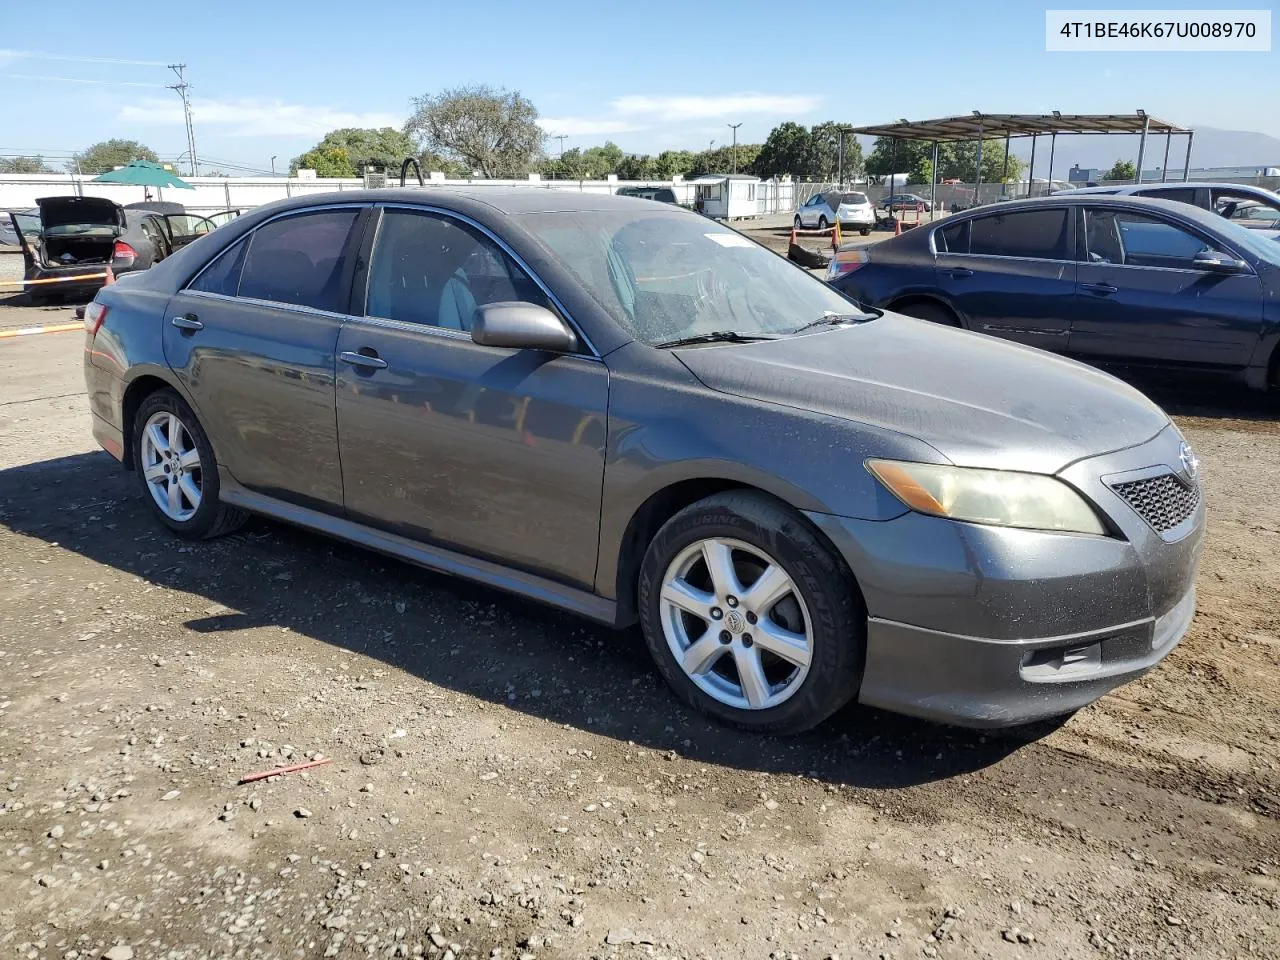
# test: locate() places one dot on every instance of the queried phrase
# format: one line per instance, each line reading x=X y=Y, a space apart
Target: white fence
x=20 y=191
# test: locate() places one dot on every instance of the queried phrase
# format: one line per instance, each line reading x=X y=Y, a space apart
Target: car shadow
x=458 y=635
x=1184 y=395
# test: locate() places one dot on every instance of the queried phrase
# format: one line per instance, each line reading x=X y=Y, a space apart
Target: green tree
x=385 y=148
x=326 y=161
x=639 y=167
x=721 y=159
x=673 y=163
x=787 y=150
x=911 y=157
x=825 y=164
x=23 y=165
x=493 y=131
x=1121 y=170
x=109 y=154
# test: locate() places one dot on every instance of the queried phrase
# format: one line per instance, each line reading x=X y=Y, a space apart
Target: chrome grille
x=1163 y=501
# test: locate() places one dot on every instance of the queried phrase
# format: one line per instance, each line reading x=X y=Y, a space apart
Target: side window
x=223 y=275
x=299 y=260
x=1028 y=233
x=436 y=271
x=954 y=238
x=1138 y=240
x=1180 y=194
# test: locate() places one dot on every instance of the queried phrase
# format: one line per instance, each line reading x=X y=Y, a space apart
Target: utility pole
x=273 y=162
x=182 y=88
x=562 y=137
x=734 y=127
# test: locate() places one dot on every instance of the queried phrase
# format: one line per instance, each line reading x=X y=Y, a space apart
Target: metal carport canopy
x=983 y=126
x=995 y=125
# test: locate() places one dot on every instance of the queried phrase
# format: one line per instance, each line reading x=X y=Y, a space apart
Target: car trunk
x=78 y=230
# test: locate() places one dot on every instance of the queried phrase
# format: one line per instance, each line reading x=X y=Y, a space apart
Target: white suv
x=852 y=210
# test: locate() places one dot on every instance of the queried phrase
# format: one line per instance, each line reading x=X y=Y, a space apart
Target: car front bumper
x=993 y=626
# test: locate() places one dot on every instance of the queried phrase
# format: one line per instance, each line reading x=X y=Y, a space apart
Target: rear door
x=186 y=227
x=495 y=452
x=1141 y=296
x=252 y=339
x=1011 y=274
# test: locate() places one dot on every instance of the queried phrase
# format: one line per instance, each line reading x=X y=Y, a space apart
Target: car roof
x=1204 y=218
x=507 y=200
x=1166 y=185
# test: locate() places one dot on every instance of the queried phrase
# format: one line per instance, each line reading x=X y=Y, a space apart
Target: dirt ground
x=507 y=781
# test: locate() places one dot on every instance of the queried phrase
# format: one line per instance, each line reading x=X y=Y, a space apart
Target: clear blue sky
x=271 y=78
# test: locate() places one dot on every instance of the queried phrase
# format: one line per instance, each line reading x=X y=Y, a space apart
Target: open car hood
x=78 y=211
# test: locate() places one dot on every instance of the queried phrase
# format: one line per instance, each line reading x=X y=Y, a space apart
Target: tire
x=865 y=231
x=799 y=224
x=933 y=312
x=197 y=517
x=822 y=223
x=819 y=597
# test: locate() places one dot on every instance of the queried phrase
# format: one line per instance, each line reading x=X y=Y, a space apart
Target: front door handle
x=960 y=273
x=187 y=321
x=1101 y=289
x=370 y=361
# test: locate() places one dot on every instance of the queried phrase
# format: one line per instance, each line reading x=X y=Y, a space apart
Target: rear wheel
x=933 y=312
x=822 y=223
x=749 y=616
x=176 y=467
x=864 y=231
x=799 y=224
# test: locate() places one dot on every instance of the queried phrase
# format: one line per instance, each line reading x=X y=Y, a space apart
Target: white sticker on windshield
x=729 y=239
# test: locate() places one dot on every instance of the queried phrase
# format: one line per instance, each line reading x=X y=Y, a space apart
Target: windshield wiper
x=835 y=319
x=717 y=336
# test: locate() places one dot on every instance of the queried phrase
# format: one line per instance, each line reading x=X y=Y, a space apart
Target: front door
x=252 y=339
x=1011 y=275
x=1141 y=296
x=494 y=452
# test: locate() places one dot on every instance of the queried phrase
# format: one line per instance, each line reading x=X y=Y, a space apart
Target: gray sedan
x=630 y=412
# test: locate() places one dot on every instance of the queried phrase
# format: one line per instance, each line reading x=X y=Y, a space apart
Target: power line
x=33 y=55
x=103 y=83
x=181 y=87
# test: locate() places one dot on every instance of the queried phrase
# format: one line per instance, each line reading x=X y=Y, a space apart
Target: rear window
x=854 y=198
x=223 y=275
x=1040 y=234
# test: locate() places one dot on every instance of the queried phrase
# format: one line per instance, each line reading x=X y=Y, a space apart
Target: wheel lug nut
x=746 y=640
x=751 y=618
x=716 y=613
x=731 y=601
x=725 y=636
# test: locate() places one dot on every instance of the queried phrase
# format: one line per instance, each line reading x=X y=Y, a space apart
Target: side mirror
x=522 y=326
x=1217 y=262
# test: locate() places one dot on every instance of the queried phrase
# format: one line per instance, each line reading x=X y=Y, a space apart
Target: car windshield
x=666 y=276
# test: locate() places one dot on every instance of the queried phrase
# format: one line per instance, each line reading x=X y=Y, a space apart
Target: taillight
x=845 y=262
x=123 y=254
x=94 y=314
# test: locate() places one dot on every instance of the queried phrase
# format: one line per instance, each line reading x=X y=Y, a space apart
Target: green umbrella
x=143 y=173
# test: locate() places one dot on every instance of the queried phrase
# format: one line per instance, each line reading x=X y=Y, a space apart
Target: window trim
x=367 y=257
x=1082 y=250
x=1072 y=253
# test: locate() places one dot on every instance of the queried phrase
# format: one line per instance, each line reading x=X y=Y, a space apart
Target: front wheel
x=749 y=616
x=822 y=223
x=865 y=231
x=799 y=224
x=175 y=464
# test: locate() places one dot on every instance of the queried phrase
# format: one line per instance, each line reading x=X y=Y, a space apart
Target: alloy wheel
x=171 y=466
x=736 y=624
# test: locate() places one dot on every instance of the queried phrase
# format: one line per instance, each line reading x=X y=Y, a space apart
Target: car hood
x=978 y=401
x=78 y=211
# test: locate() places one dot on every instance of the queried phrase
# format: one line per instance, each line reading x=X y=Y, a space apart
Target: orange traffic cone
x=897 y=227
x=793 y=233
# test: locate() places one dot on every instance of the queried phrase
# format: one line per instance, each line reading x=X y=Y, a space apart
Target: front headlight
x=1000 y=497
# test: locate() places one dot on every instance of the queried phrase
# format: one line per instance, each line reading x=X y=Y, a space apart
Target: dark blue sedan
x=1121 y=280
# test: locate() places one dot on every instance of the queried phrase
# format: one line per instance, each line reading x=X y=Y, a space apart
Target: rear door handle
x=370 y=361
x=1101 y=289
x=961 y=272
x=187 y=321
